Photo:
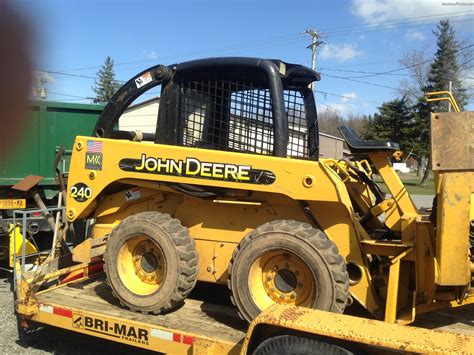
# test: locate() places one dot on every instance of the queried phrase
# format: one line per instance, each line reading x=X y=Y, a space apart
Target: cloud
x=376 y=11
x=340 y=52
x=342 y=109
x=348 y=96
x=415 y=35
x=151 y=54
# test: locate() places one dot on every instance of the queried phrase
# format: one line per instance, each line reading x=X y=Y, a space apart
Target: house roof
x=144 y=103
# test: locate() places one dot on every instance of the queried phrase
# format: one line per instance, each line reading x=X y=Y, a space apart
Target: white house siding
x=143 y=117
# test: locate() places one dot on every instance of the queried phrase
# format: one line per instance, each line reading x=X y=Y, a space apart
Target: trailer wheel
x=150 y=262
x=287 y=262
x=290 y=344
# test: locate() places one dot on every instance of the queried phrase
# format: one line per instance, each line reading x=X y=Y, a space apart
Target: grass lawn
x=411 y=182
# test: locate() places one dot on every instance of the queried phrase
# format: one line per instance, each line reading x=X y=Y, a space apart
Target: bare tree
x=330 y=119
x=416 y=62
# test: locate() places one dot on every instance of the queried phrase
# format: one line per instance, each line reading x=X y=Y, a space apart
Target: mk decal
x=94 y=161
x=194 y=168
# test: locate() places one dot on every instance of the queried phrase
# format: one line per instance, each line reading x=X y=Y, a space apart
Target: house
x=142 y=116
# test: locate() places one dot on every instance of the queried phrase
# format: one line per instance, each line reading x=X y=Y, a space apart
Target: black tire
x=290 y=345
x=179 y=259
x=320 y=257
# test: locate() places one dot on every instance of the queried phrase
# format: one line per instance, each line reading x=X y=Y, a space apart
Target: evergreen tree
x=445 y=67
x=393 y=122
x=420 y=143
x=105 y=84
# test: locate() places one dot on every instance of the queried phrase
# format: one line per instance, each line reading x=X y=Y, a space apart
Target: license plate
x=11 y=204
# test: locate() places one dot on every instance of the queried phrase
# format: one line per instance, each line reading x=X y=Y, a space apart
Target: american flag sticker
x=94 y=147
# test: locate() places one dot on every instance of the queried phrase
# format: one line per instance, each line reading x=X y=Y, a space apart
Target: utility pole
x=315 y=42
x=40 y=92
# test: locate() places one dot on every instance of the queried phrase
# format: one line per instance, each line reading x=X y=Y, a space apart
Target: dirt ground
x=48 y=340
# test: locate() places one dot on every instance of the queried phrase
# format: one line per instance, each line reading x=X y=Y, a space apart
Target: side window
x=142 y=115
x=237 y=116
x=297 y=124
x=195 y=113
x=251 y=123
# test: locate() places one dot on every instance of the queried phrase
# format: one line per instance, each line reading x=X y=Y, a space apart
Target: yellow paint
x=144 y=332
x=138 y=279
x=12 y=204
x=337 y=197
x=453 y=222
x=16 y=239
x=384 y=336
x=442 y=96
x=265 y=273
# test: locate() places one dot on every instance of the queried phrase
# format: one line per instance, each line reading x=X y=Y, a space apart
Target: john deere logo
x=194 y=168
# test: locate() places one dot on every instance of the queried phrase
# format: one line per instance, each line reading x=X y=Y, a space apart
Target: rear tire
x=150 y=262
x=290 y=344
x=287 y=262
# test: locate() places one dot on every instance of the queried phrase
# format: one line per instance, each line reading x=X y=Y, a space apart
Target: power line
x=297 y=39
x=362 y=72
x=68 y=95
x=335 y=31
x=399 y=21
x=394 y=26
x=346 y=97
x=293 y=37
x=405 y=67
x=360 y=81
x=75 y=75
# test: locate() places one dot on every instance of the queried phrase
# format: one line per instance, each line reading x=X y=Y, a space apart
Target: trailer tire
x=150 y=262
x=291 y=344
x=290 y=262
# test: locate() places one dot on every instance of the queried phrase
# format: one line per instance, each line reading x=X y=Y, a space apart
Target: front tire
x=287 y=262
x=151 y=262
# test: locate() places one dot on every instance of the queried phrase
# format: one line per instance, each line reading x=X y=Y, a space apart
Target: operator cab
x=246 y=105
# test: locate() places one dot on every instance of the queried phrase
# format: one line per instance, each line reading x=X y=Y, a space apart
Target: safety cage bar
x=260 y=86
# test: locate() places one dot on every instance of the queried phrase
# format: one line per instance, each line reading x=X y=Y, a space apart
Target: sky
x=363 y=38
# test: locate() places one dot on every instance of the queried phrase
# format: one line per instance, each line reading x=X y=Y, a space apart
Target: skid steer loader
x=230 y=189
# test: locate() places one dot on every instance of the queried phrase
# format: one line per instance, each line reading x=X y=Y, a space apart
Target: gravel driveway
x=48 y=340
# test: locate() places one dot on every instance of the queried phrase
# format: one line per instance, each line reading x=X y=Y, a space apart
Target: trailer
x=75 y=296
x=198 y=327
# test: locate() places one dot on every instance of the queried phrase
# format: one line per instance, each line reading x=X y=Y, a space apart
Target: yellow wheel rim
x=141 y=265
x=281 y=277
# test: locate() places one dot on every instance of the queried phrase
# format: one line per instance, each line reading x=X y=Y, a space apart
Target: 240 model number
x=81 y=192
